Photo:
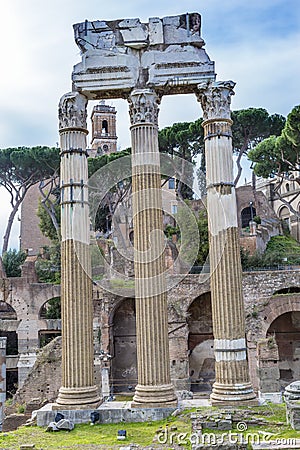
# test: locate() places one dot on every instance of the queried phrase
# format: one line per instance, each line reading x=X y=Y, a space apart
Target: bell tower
x=104 y=134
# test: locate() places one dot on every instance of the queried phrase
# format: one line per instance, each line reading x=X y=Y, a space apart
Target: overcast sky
x=255 y=43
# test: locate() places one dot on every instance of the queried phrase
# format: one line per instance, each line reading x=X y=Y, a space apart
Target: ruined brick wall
x=31 y=237
x=245 y=195
x=261 y=305
x=44 y=380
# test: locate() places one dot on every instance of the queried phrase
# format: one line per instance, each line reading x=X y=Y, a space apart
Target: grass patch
x=119 y=283
x=104 y=436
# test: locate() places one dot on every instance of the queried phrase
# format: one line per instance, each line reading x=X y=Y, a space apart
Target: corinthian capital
x=215 y=99
x=143 y=106
x=72 y=111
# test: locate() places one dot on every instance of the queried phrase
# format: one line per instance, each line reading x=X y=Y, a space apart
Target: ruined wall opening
x=51 y=313
x=247 y=214
x=286 y=329
x=123 y=348
x=8 y=317
x=200 y=344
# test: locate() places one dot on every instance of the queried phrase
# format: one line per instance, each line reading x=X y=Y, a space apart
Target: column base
x=78 y=398
x=233 y=394
x=158 y=396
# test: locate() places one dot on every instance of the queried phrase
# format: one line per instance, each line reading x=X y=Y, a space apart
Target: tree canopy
x=184 y=140
x=251 y=126
x=279 y=155
x=21 y=168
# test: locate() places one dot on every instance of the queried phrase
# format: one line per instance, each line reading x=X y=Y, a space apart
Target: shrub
x=12 y=262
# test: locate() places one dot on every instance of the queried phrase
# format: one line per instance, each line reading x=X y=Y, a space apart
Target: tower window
x=105 y=148
x=104 y=127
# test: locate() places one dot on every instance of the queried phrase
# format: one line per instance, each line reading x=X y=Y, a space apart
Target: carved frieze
x=215 y=99
x=166 y=54
x=72 y=111
x=143 y=106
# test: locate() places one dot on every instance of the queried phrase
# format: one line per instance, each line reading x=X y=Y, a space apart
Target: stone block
x=292 y=391
x=225 y=425
x=156 y=34
x=210 y=424
x=107 y=415
x=293 y=414
x=272 y=397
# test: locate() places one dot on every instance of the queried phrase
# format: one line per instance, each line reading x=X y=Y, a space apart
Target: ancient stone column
x=232 y=383
x=78 y=390
x=154 y=388
x=2 y=378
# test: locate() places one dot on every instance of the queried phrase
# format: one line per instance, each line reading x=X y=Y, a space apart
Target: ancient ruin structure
x=142 y=62
x=78 y=388
x=232 y=375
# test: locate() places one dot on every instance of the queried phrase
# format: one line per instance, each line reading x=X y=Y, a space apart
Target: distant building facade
x=290 y=193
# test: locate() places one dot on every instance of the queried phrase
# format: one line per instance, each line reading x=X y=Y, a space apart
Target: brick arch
x=31 y=296
x=188 y=290
x=201 y=293
x=115 y=306
x=42 y=310
x=123 y=345
x=278 y=305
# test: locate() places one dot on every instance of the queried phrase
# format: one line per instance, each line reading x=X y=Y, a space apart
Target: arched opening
x=247 y=215
x=104 y=127
x=8 y=329
x=51 y=313
x=200 y=344
x=131 y=237
x=286 y=329
x=284 y=215
x=124 y=361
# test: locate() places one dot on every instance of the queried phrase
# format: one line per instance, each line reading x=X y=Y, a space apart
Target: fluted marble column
x=232 y=383
x=78 y=390
x=154 y=388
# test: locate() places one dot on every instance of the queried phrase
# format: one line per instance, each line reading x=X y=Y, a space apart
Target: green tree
x=12 y=262
x=184 y=140
x=191 y=229
x=46 y=222
x=279 y=156
x=203 y=238
x=251 y=126
x=52 y=309
x=102 y=210
x=48 y=264
x=280 y=250
x=21 y=168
